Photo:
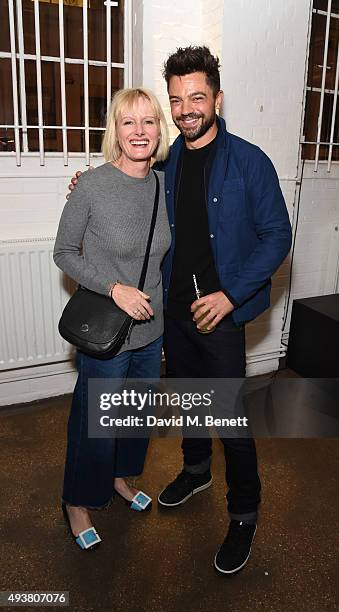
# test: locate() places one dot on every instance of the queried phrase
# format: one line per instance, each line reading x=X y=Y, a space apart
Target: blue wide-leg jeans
x=93 y=463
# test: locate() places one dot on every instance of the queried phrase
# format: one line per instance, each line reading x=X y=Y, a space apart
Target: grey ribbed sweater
x=102 y=238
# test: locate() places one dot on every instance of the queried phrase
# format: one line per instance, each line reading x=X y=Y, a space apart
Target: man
x=230 y=228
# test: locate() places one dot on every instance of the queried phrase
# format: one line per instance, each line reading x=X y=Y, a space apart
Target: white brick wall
x=212 y=24
x=264 y=51
x=316 y=254
x=166 y=27
x=263 y=73
x=171 y=25
x=32 y=196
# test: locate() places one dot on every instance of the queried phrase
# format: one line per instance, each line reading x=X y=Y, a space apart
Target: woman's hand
x=132 y=301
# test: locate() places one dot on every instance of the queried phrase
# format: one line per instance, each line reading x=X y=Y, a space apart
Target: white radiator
x=32 y=295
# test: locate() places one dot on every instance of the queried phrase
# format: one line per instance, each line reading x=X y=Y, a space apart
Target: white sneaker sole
x=182 y=501
x=236 y=569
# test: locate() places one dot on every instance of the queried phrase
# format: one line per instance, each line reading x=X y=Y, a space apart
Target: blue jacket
x=249 y=228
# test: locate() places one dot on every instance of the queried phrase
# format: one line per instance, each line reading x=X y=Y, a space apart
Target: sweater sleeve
x=68 y=254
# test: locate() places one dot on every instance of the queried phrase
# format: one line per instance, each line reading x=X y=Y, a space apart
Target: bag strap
x=151 y=232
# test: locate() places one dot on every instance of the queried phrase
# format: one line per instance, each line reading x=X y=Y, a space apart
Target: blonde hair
x=128 y=97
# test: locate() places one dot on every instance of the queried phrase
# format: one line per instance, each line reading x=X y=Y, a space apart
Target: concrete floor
x=162 y=561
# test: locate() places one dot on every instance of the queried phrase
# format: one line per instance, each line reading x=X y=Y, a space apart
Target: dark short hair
x=193 y=59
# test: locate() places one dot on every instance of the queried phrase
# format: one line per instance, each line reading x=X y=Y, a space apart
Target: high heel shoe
x=87 y=539
x=140 y=502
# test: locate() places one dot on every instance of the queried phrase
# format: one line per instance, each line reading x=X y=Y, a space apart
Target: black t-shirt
x=192 y=254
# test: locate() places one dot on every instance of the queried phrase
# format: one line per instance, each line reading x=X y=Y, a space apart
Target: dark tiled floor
x=162 y=561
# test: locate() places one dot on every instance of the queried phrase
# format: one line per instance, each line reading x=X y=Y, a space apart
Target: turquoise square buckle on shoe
x=140 y=501
x=88 y=538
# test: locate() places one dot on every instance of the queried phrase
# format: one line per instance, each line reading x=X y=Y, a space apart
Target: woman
x=101 y=243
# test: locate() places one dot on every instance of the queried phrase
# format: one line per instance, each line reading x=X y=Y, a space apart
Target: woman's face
x=138 y=131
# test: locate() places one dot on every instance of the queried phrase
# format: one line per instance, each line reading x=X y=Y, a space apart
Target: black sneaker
x=183 y=487
x=236 y=548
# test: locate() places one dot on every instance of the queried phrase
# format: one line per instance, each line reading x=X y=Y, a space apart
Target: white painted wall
x=263 y=68
x=262 y=45
x=168 y=25
x=316 y=256
x=263 y=73
x=32 y=196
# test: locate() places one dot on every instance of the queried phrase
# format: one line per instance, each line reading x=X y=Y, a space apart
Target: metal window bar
x=334 y=112
x=320 y=12
x=63 y=82
x=108 y=57
x=53 y=127
x=109 y=4
x=38 y=81
x=22 y=76
x=128 y=44
x=14 y=82
x=86 y=88
x=20 y=55
x=318 y=89
x=323 y=81
x=68 y=60
x=320 y=142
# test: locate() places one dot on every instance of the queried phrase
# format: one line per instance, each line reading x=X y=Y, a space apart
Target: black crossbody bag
x=92 y=322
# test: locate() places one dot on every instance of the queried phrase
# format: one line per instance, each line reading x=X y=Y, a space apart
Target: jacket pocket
x=233 y=200
x=234 y=185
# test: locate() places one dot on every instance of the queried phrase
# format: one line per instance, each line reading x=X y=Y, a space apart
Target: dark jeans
x=92 y=463
x=220 y=354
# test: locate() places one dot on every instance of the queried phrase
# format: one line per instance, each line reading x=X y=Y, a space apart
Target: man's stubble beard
x=194 y=134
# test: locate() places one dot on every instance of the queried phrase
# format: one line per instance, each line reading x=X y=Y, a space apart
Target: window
x=321 y=126
x=60 y=63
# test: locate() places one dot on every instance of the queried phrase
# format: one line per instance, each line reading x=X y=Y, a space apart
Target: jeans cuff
x=248 y=517
x=198 y=468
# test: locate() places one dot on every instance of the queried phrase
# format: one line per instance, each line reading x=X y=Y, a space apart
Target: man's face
x=193 y=107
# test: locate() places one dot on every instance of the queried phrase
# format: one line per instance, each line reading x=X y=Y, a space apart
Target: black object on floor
x=313 y=346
